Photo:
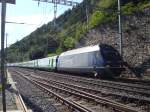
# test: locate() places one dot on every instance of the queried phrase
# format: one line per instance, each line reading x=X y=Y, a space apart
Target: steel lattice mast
x=60 y=2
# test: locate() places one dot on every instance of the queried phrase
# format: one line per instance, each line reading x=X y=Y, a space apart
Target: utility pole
x=6 y=47
x=120 y=28
x=87 y=12
x=3 y=17
x=6 y=57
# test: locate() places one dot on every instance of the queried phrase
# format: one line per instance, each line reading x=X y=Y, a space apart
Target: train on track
x=100 y=60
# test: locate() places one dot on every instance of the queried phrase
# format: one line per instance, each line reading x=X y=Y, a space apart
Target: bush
x=97 y=18
x=69 y=43
x=51 y=54
x=59 y=50
x=107 y=3
x=144 y=4
x=129 y=8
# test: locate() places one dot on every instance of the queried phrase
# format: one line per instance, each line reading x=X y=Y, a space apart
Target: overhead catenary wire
x=56 y=2
x=11 y=22
x=44 y=15
x=48 y=13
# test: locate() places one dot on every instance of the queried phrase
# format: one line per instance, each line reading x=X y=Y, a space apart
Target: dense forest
x=70 y=27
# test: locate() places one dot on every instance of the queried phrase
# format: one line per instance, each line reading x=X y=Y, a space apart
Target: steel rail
x=91 y=79
x=141 y=99
x=100 y=81
x=92 y=97
x=22 y=103
x=121 y=86
x=64 y=100
x=89 y=89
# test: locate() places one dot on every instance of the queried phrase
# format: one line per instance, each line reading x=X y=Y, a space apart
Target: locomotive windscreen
x=110 y=55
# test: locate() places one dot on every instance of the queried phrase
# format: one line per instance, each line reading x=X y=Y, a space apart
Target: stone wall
x=136 y=40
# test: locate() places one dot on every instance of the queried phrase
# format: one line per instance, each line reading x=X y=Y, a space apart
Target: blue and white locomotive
x=100 y=60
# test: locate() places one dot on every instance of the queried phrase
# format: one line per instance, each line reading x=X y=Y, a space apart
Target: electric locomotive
x=100 y=60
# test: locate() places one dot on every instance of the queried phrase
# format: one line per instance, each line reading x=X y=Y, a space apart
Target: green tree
x=129 y=8
x=97 y=18
x=69 y=43
x=107 y=3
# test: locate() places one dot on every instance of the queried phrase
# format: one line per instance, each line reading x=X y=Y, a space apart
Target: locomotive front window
x=97 y=54
x=110 y=55
x=97 y=59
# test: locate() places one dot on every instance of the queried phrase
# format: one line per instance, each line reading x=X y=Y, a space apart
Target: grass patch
x=51 y=54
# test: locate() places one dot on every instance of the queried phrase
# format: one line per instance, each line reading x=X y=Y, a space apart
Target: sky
x=28 y=11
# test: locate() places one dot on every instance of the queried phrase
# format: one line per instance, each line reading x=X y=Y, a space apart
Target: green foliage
x=107 y=3
x=81 y=28
x=79 y=31
x=36 y=53
x=51 y=54
x=97 y=18
x=129 y=8
x=144 y=4
x=71 y=27
x=69 y=43
x=135 y=6
x=59 y=50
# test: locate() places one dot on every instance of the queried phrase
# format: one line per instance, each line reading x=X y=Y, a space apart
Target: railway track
x=64 y=101
x=23 y=106
x=142 y=90
x=34 y=98
x=133 y=81
x=131 y=94
x=71 y=94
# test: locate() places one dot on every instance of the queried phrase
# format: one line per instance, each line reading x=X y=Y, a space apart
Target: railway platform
x=14 y=102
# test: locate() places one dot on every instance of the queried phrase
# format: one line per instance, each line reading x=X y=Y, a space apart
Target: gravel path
x=10 y=101
x=34 y=98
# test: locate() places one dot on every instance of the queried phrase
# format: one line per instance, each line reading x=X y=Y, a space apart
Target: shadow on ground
x=139 y=71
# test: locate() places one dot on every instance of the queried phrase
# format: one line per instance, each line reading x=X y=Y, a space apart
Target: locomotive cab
x=112 y=60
